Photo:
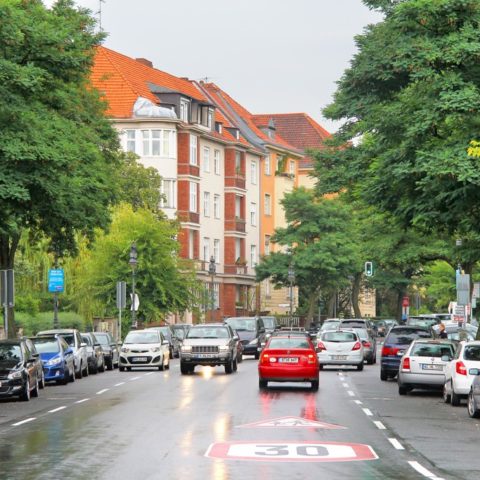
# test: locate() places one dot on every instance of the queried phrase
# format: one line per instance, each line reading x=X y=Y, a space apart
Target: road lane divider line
x=55 y=410
x=358 y=402
x=345 y=384
x=134 y=378
x=119 y=384
x=82 y=400
x=31 y=419
x=367 y=412
x=423 y=471
x=379 y=425
x=102 y=391
x=149 y=373
x=396 y=444
x=352 y=394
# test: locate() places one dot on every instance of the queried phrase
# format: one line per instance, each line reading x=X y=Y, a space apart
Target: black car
x=95 y=357
x=174 y=342
x=41 y=374
x=110 y=349
x=252 y=333
x=19 y=368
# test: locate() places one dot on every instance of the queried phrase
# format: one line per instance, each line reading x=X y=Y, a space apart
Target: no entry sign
x=291 y=422
x=292 y=451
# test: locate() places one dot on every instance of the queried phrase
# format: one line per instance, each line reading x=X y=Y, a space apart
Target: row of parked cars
x=60 y=356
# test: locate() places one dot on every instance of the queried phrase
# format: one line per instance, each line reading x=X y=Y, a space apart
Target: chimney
x=145 y=61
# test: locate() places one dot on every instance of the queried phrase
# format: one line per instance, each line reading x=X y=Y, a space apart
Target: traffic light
x=369 y=269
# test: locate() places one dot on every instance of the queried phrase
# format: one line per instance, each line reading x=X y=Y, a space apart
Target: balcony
x=236 y=225
x=190 y=217
x=188 y=169
x=236 y=269
x=237 y=181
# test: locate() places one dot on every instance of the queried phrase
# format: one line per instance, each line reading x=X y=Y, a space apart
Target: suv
x=74 y=339
x=251 y=331
x=209 y=344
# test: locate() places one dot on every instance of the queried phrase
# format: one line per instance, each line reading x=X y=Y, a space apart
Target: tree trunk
x=312 y=304
x=355 y=294
x=331 y=305
x=400 y=295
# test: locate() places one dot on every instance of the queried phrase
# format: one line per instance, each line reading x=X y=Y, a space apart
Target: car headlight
x=254 y=341
x=223 y=348
x=15 y=375
x=186 y=348
x=53 y=361
x=125 y=350
x=155 y=349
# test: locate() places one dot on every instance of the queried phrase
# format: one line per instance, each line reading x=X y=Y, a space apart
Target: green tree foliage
x=439 y=284
x=57 y=151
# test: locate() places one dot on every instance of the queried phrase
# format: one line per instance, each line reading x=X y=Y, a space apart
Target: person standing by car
x=442 y=333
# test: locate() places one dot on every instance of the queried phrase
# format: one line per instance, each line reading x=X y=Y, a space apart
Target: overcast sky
x=273 y=56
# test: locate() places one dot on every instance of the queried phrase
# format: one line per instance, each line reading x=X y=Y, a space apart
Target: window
x=191 y=243
x=216 y=162
x=210 y=118
x=216 y=206
x=146 y=142
x=268 y=289
x=158 y=143
x=167 y=189
x=193 y=150
x=184 y=110
x=267 y=165
x=238 y=163
x=131 y=137
x=216 y=295
x=206 y=204
x=193 y=197
x=206 y=249
x=253 y=255
x=253 y=172
x=292 y=167
x=268 y=204
x=253 y=214
x=216 y=250
x=267 y=244
x=238 y=249
x=206 y=159
x=238 y=206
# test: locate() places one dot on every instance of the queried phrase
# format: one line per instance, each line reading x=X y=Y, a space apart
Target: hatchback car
x=340 y=347
x=473 y=402
x=423 y=365
x=458 y=379
x=288 y=359
x=394 y=346
x=95 y=358
x=144 y=348
x=369 y=343
x=110 y=349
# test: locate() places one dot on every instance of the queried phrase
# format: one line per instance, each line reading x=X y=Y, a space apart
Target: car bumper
x=390 y=364
x=351 y=359
x=141 y=360
x=206 y=359
x=251 y=349
x=462 y=386
x=292 y=374
x=421 y=379
x=11 y=388
x=53 y=373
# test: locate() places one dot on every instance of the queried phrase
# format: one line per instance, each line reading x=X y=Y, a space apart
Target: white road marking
x=358 y=402
x=57 y=409
x=118 y=384
x=31 y=419
x=82 y=400
x=345 y=385
x=423 y=471
x=134 y=378
x=351 y=393
x=102 y=391
x=149 y=373
x=396 y=444
x=367 y=412
x=380 y=425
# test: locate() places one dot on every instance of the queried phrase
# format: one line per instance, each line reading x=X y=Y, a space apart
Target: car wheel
x=42 y=381
x=86 y=372
x=122 y=369
x=455 y=398
x=235 y=365
x=25 y=396
x=129 y=369
x=229 y=367
x=360 y=367
x=162 y=365
x=184 y=369
x=94 y=370
x=101 y=368
x=374 y=359
x=240 y=358
x=110 y=365
x=320 y=366
x=473 y=411
x=314 y=386
x=262 y=384
x=72 y=375
x=35 y=390
x=446 y=396
x=402 y=390
x=383 y=375
x=79 y=374
x=257 y=355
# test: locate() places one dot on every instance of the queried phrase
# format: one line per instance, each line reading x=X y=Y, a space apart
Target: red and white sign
x=291 y=422
x=405 y=301
x=292 y=451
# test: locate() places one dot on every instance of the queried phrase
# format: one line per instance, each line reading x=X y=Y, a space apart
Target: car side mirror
x=474 y=371
x=261 y=330
x=68 y=351
x=236 y=337
x=83 y=345
x=35 y=355
x=447 y=358
x=165 y=342
x=96 y=345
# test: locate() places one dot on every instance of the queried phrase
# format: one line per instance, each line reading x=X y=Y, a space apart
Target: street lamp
x=458 y=244
x=212 y=269
x=291 y=279
x=133 y=264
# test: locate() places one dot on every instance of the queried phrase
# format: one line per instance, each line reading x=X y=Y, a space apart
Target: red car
x=288 y=359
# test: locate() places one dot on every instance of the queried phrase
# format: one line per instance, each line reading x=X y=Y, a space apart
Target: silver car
x=340 y=347
x=423 y=365
x=145 y=348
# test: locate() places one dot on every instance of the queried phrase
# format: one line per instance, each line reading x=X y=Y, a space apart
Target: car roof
x=57 y=330
x=409 y=327
x=11 y=341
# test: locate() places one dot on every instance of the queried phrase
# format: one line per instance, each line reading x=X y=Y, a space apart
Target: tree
x=57 y=150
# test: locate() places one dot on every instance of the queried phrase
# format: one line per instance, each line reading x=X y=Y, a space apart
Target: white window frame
x=253 y=214
x=216 y=162
x=238 y=249
x=216 y=295
x=206 y=204
x=206 y=159
x=253 y=172
x=268 y=165
x=193 y=197
x=210 y=118
x=216 y=250
x=193 y=150
x=206 y=249
x=268 y=204
x=184 y=110
x=216 y=206
x=291 y=167
x=253 y=255
x=131 y=140
x=238 y=206
x=168 y=188
x=267 y=244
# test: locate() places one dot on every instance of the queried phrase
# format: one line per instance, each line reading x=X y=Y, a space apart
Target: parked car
x=473 y=401
x=95 y=357
x=252 y=333
x=423 y=365
x=394 y=346
x=369 y=343
x=173 y=340
x=330 y=324
x=73 y=338
x=110 y=349
x=358 y=323
x=340 y=347
x=144 y=348
x=458 y=379
x=209 y=344
x=57 y=358
x=18 y=370
x=422 y=321
x=383 y=326
x=288 y=359
x=180 y=330
x=33 y=350
x=270 y=324
x=467 y=333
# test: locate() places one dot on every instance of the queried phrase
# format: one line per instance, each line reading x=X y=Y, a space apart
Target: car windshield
x=86 y=339
x=179 y=333
x=404 y=336
x=422 y=322
x=339 y=337
x=472 y=352
x=208 y=332
x=362 y=333
x=431 y=350
x=166 y=332
x=291 y=342
x=9 y=352
x=242 y=324
x=353 y=323
x=69 y=338
x=102 y=339
x=269 y=322
x=46 y=345
x=330 y=325
x=142 y=337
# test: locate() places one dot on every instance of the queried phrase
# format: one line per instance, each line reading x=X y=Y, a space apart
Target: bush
x=28 y=304
x=31 y=324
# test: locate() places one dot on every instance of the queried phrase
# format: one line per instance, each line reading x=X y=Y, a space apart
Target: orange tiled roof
x=298 y=129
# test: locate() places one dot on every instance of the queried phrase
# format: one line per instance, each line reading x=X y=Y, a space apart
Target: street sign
x=7 y=288
x=476 y=290
x=56 y=280
x=137 y=302
x=463 y=289
x=121 y=295
x=291 y=422
x=289 y=451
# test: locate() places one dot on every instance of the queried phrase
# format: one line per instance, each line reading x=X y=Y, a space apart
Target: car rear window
x=404 y=336
x=353 y=323
x=293 y=342
x=431 y=350
x=339 y=337
x=472 y=352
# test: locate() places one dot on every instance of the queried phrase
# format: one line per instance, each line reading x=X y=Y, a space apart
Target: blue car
x=396 y=342
x=57 y=358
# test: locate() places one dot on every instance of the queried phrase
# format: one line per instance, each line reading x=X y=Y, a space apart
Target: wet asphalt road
x=161 y=425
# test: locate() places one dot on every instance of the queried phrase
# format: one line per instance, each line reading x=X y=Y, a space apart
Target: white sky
x=273 y=56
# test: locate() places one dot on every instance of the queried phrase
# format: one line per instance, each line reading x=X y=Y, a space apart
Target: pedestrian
x=442 y=333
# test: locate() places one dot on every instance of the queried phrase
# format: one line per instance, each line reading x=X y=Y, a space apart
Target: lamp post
x=291 y=279
x=212 y=269
x=458 y=244
x=133 y=264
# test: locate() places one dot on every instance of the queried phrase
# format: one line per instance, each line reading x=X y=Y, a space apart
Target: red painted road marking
x=292 y=451
x=291 y=422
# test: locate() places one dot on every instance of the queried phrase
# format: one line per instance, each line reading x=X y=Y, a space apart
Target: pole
x=119 y=330
x=291 y=299
x=212 y=293
x=56 y=323
x=4 y=300
x=134 y=319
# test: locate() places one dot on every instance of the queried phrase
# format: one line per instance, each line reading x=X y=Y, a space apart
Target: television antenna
x=99 y=13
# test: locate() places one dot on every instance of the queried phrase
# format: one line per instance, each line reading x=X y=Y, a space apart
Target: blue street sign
x=56 y=280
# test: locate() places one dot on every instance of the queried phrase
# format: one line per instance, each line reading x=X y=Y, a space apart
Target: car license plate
x=288 y=360
x=138 y=359
x=339 y=357
x=0 y=384
x=432 y=367
x=205 y=355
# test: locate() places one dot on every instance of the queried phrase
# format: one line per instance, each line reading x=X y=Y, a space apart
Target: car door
x=164 y=346
x=30 y=365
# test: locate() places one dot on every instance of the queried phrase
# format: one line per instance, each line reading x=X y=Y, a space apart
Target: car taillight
x=321 y=346
x=460 y=368
x=312 y=358
x=357 y=346
x=386 y=351
x=264 y=359
x=406 y=363
x=366 y=344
